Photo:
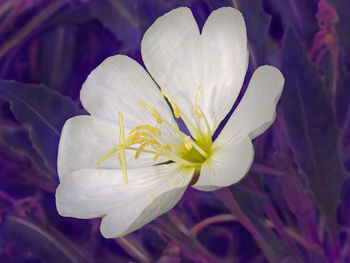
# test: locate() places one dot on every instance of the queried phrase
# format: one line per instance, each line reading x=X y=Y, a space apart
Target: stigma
x=189 y=151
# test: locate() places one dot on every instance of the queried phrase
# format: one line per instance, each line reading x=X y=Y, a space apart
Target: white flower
x=201 y=76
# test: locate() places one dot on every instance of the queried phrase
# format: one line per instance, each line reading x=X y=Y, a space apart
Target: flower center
x=186 y=150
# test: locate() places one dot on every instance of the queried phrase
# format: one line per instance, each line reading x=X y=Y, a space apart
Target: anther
x=153 y=143
x=197 y=110
x=105 y=157
x=187 y=142
x=176 y=109
x=139 y=137
x=152 y=110
x=167 y=147
x=147 y=128
x=155 y=157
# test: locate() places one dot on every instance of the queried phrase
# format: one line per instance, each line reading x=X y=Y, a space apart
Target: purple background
x=293 y=206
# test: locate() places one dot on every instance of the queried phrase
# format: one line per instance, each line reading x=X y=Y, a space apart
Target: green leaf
x=311 y=125
x=42 y=111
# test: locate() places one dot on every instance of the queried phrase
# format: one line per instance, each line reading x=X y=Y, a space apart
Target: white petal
x=85 y=139
x=150 y=192
x=257 y=109
x=118 y=84
x=225 y=62
x=171 y=52
x=140 y=212
x=233 y=152
x=228 y=164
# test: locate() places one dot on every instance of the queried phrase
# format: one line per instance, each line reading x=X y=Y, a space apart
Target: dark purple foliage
x=293 y=206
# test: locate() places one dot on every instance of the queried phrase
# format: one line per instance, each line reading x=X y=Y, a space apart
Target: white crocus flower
x=128 y=162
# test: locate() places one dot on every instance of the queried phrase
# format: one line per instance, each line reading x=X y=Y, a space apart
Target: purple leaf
x=261 y=46
x=300 y=14
x=32 y=239
x=19 y=141
x=312 y=128
x=42 y=111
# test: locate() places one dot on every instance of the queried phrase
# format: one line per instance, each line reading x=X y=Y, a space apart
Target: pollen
x=105 y=157
x=152 y=110
x=189 y=151
x=176 y=109
x=197 y=110
x=147 y=128
x=139 y=137
x=187 y=142
x=155 y=157
x=152 y=143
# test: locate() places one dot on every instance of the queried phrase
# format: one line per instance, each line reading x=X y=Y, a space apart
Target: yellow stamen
x=199 y=149
x=143 y=146
x=105 y=157
x=152 y=110
x=171 y=156
x=167 y=147
x=147 y=128
x=135 y=140
x=209 y=134
x=187 y=141
x=155 y=157
x=140 y=137
x=176 y=109
x=197 y=110
x=122 y=147
x=150 y=136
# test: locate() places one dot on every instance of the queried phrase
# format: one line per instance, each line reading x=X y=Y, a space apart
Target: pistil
x=189 y=153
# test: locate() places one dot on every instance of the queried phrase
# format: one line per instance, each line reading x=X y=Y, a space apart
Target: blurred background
x=293 y=206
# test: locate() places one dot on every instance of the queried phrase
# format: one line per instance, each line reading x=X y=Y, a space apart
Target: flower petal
x=227 y=164
x=232 y=153
x=118 y=84
x=171 y=52
x=85 y=139
x=225 y=61
x=139 y=213
x=150 y=192
x=257 y=109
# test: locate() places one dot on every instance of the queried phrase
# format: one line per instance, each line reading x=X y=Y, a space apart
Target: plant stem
x=227 y=198
x=30 y=26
